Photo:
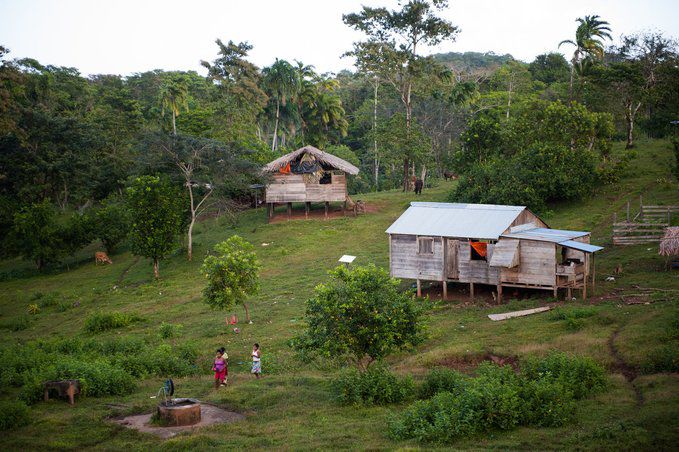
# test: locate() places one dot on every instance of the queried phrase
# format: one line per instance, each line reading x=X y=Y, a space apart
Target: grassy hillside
x=292 y=406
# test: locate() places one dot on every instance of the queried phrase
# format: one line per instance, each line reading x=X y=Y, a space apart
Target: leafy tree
x=173 y=97
x=513 y=78
x=322 y=112
x=549 y=68
x=36 y=234
x=232 y=274
x=394 y=38
x=284 y=84
x=361 y=313
x=589 y=44
x=111 y=223
x=157 y=212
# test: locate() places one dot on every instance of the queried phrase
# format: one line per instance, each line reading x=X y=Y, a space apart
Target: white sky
x=126 y=36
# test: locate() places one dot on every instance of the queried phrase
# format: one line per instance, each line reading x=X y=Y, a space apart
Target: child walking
x=220 y=368
x=256 y=361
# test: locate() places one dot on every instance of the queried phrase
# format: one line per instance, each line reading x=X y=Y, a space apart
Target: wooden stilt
x=570 y=294
x=556 y=293
x=499 y=293
x=269 y=211
x=471 y=290
x=289 y=210
x=419 y=288
x=327 y=206
x=445 y=289
x=344 y=210
x=593 y=275
x=306 y=209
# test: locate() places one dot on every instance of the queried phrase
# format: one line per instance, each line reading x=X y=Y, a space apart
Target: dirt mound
x=469 y=362
x=210 y=415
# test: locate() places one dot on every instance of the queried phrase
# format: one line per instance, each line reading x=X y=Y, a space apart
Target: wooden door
x=452 y=268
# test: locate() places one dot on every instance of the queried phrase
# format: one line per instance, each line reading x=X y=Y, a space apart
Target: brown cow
x=449 y=175
x=102 y=257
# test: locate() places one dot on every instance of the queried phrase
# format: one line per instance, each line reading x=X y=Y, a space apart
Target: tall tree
x=589 y=44
x=174 y=96
x=391 y=49
x=156 y=208
x=283 y=82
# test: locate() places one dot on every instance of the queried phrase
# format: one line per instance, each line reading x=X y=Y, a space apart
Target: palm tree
x=589 y=46
x=174 y=96
x=283 y=82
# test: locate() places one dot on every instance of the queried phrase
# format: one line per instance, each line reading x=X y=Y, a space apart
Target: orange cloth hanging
x=285 y=169
x=480 y=247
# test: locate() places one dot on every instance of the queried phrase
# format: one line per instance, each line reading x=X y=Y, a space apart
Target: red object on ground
x=234 y=319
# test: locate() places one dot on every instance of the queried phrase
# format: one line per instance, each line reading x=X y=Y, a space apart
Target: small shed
x=504 y=246
x=307 y=175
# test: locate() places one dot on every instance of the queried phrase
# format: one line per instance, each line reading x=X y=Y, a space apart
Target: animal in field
x=418 y=186
x=101 y=257
x=448 y=175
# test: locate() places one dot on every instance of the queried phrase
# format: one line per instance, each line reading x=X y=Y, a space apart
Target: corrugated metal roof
x=546 y=235
x=478 y=221
x=586 y=247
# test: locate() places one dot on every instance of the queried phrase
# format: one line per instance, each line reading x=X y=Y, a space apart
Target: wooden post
x=556 y=293
x=570 y=294
x=344 y=210
x=499 y=294
x=306 y=210
x=471 y=290
x=444 y=283
x=269 y=211
x=327 y=205
x=419 y=288
x=289 y=211
x=593 y=274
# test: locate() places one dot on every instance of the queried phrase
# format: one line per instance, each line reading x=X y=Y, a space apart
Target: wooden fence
x=647 y=226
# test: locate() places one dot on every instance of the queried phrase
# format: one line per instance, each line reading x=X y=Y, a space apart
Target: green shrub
x=441 y=379
x=13 y=415
x=161 y=361
x=580 y=375
x=99 y=322
x=572 y=313
x=547 y=403
x=97 y=378
x=168 y=330
x=375 y=386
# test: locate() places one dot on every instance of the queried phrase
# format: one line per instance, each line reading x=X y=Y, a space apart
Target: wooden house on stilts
x=503 y=246
x=307 y=175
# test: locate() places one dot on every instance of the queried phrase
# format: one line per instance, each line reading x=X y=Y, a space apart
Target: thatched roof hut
x=325 y=159
x=669 y=243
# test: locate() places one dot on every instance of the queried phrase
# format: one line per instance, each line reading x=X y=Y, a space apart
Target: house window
x=478 y=250
x=425 y=245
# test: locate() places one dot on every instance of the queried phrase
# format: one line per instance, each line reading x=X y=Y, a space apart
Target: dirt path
x=126 y=271
x=625 y=369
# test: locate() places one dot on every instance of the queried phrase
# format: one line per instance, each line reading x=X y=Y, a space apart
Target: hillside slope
x=292 y=406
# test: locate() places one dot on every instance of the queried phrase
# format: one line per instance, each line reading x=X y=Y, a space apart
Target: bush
x=442 y=379
x=111 y=223
x=13 y=415
x=168 y=330
x=579 y=375
x=663 y=359
x=547 y=403
x=162 y=361
x=572 y=313
x=498 y=399
x=99 y=322
x=375 y=386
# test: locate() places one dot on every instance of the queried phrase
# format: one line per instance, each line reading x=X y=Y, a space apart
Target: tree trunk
x=247 y=312
x=630 y=114
x=406 y=171
x=189 y=244
x=156 y=273
x=275 y=128
x=376 y=161
x=174 y=124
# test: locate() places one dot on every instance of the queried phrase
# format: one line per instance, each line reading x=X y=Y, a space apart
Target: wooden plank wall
x=291 y=188
x=406 y=263
x=476 y=271
x=537 y=265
